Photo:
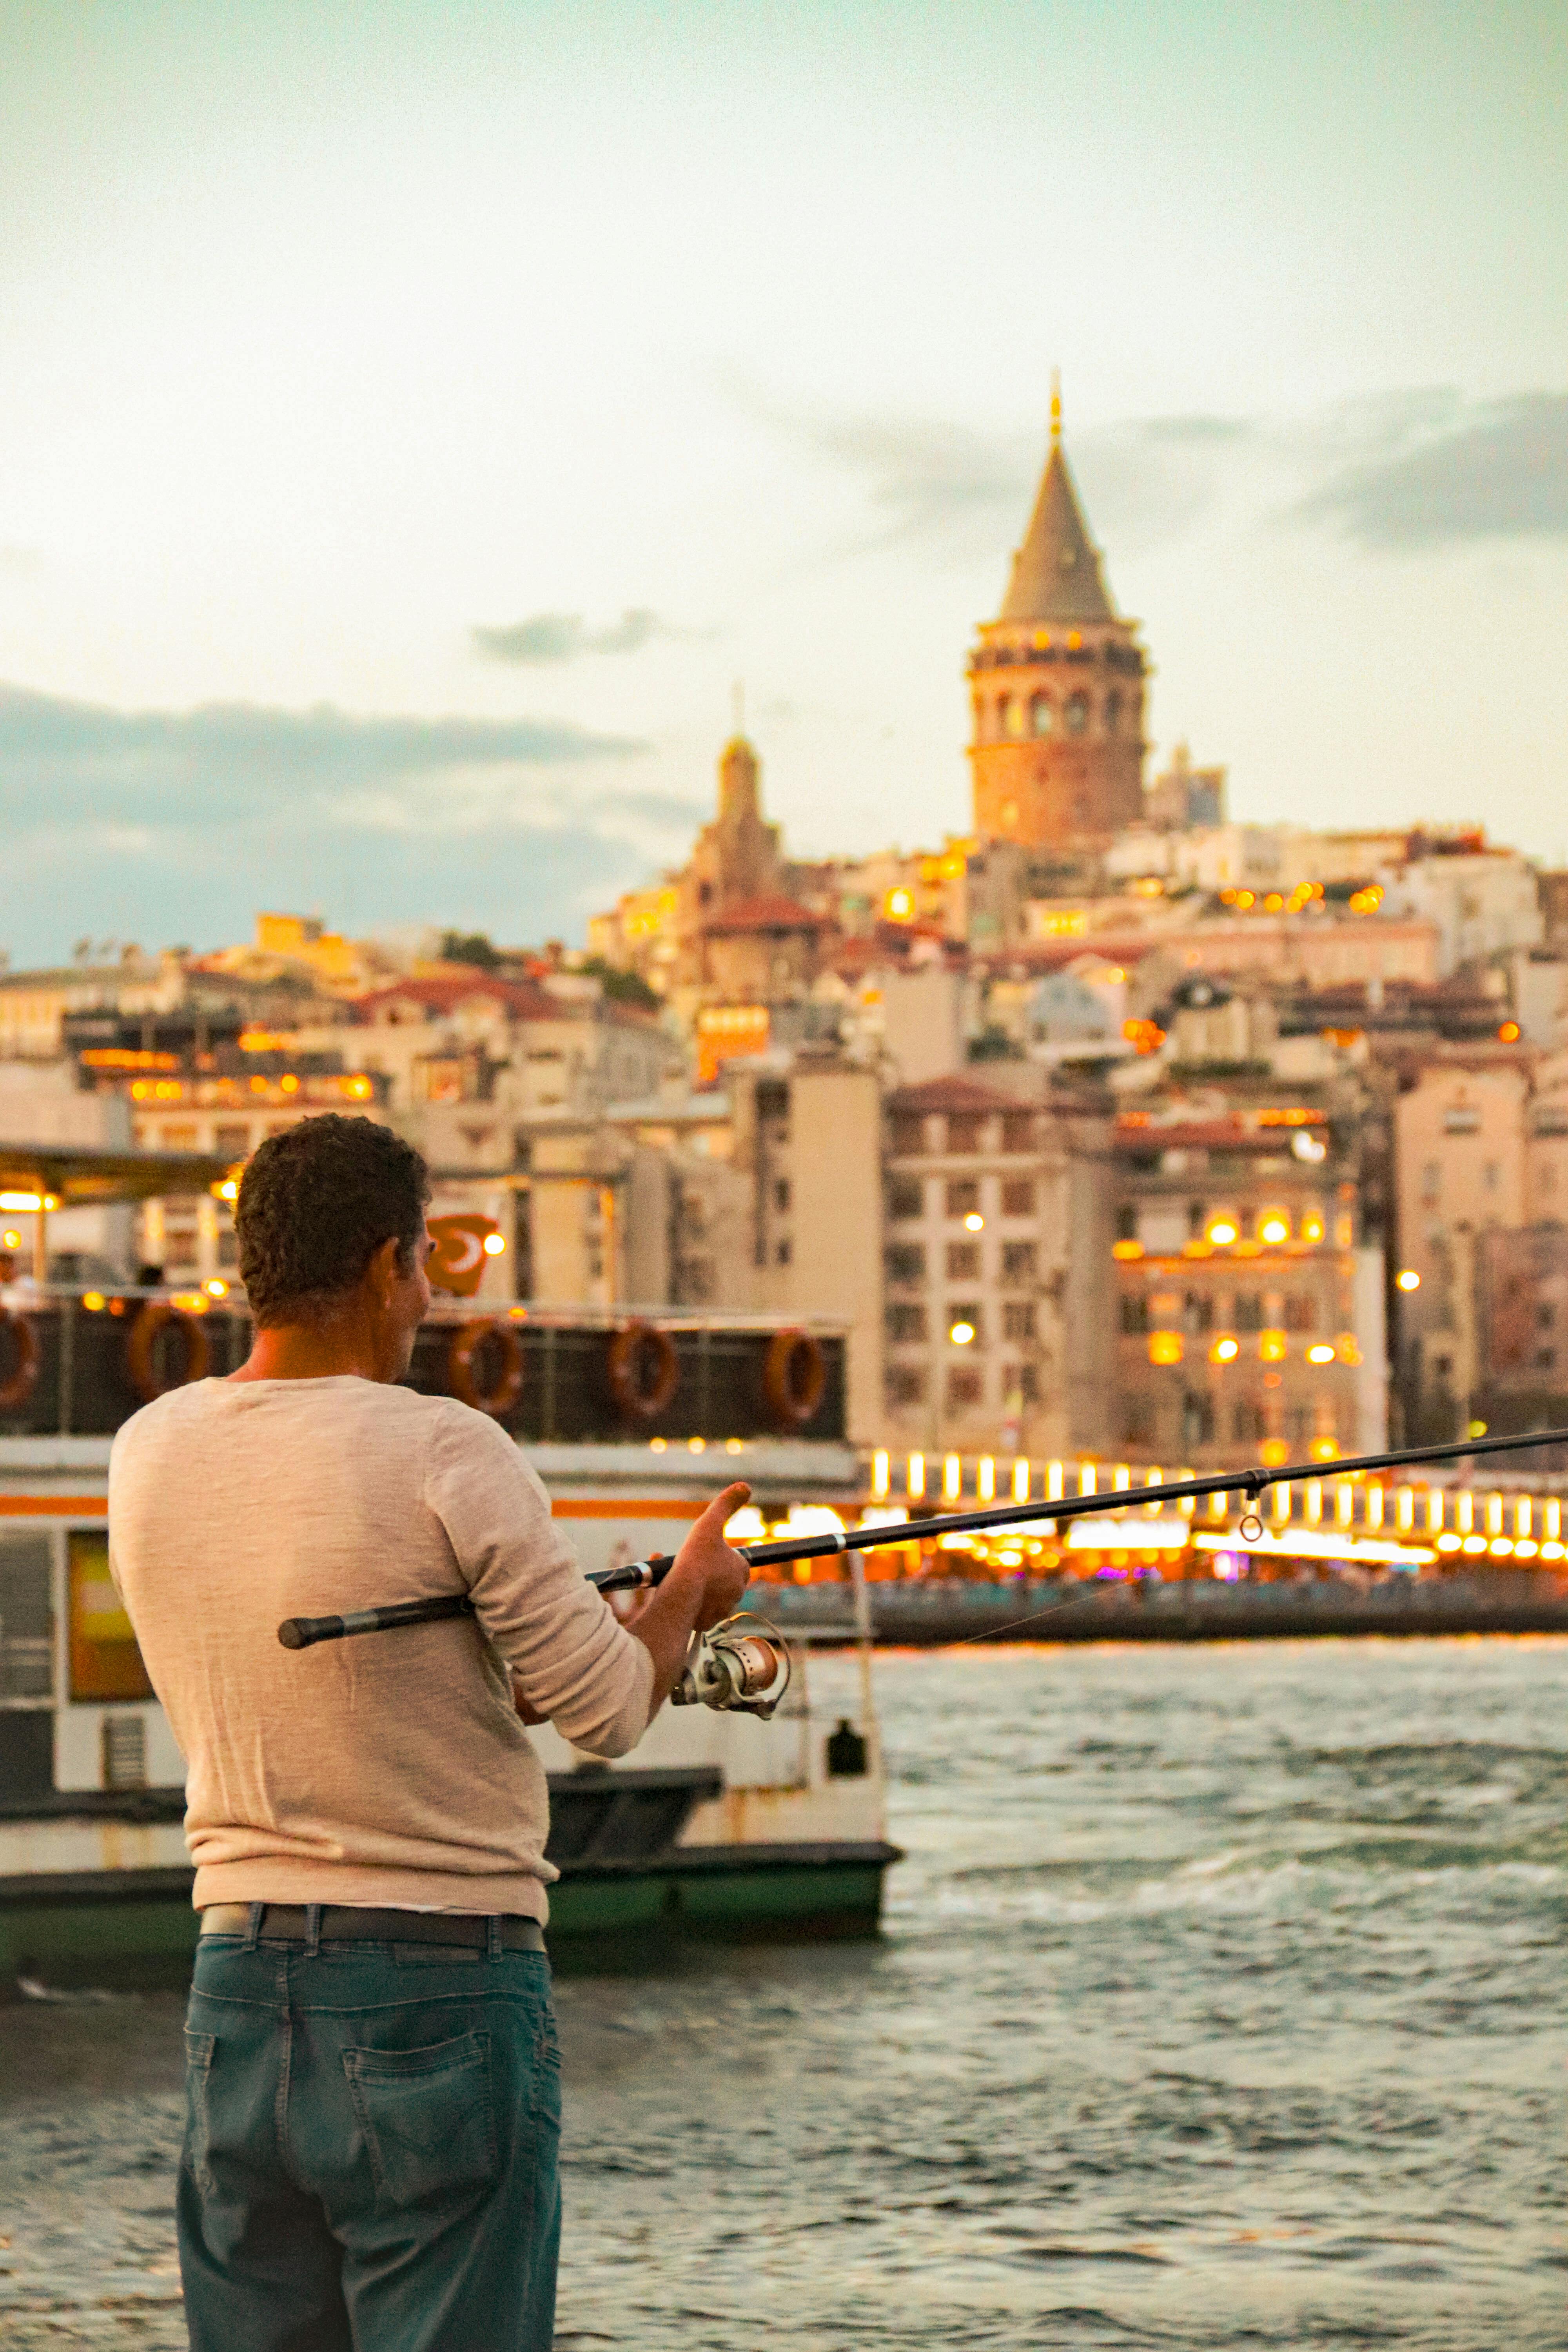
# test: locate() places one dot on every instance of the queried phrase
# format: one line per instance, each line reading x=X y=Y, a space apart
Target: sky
x=419 y=424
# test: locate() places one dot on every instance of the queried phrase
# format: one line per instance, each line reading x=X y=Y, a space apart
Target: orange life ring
x=794 y=1377
x=24 y=1379
x=142 y=1340
x=637 y=1351
x=504 y=1392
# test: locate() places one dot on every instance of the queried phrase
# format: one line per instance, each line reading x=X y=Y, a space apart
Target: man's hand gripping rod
x=720 y=1677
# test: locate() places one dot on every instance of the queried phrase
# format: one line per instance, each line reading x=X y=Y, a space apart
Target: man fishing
x=373 y=2075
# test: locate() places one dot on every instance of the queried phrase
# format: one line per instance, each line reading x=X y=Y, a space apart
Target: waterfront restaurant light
x=1319 y=1355
x=494 y=1245
x=1407 y=1278
x=27 y=1204
x=1274 y=1226
x=1222 y=1232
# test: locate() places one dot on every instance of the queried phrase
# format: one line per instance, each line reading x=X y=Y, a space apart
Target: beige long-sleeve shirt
x=390 y=1769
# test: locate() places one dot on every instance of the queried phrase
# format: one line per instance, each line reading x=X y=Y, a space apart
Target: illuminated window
x=1164 y=1346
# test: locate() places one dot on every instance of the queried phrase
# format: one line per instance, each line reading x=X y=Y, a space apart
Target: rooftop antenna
x=738 y=705
x=1056 y=408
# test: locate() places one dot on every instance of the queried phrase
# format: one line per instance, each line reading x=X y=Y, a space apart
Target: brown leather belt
x=338 y=1923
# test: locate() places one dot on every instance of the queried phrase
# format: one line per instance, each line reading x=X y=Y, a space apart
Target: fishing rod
x=730 y=1670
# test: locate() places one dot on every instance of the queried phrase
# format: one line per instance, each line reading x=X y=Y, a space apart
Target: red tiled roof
x=959 y=1095
x=771 y=912
x=522 y=999
x=1203 y=1134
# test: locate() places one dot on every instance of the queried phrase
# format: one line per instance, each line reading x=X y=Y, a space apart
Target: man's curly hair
x=315 y=1204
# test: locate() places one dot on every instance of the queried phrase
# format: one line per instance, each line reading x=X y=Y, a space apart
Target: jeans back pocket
x=199 y=2052
x=428 y=2118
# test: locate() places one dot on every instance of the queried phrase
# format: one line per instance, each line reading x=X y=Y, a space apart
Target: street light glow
x=1408 y=1279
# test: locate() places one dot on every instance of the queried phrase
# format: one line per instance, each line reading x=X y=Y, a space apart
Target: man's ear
x=384 y=1268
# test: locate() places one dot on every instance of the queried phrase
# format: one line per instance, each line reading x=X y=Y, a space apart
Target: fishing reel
x=736 y=1668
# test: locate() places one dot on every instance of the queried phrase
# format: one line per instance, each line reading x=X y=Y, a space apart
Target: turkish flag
x=457 y=1264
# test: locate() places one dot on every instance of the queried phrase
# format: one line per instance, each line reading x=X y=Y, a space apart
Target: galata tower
x=1057 y=686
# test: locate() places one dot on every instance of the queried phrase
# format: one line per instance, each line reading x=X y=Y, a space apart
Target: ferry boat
x=717 y=1825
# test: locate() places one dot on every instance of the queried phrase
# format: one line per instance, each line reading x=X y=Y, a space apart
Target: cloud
x=566 y=637
x=179 y=757
x=177 y=823
x=926 y=477
x=966 y=492
x=21 y=561
x=1500 y=471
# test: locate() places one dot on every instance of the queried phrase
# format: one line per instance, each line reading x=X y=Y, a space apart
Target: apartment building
x=1523 y=1319
x=1461 y=1167
x=1249 y=1315
x=980 y=1190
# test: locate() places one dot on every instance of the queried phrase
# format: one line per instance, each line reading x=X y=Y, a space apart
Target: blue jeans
x=371 y=2149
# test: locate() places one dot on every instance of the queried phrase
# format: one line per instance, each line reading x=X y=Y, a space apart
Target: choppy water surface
x=1221 y=2005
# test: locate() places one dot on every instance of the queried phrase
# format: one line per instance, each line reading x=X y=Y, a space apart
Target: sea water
x=1220 y=2004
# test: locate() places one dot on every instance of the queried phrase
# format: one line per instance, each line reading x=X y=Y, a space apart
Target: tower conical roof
x=1056 y=572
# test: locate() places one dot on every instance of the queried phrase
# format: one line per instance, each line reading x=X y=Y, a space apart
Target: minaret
x=739 y=800
x=1057 y=686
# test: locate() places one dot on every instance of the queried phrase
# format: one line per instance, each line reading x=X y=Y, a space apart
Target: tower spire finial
x=1056 y=408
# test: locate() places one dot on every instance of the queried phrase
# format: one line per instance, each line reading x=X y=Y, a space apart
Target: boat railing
x=77 y=1362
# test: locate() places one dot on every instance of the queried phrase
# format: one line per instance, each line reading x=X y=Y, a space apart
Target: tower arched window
x=1112 y=711
x=979 y=714
x=1077 y=713
x=1042 y=715
x=1017 y=719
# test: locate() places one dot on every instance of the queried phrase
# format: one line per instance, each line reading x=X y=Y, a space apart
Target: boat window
x=105 y=1662
x=24 y=1644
